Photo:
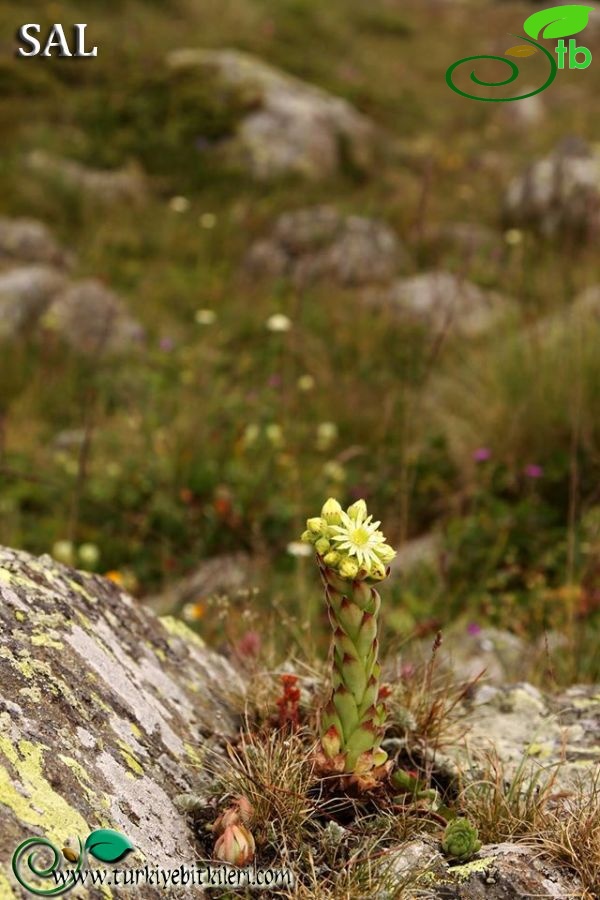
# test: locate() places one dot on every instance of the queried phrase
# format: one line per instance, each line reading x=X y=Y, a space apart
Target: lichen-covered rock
x=295 y=128
x=106 y=713
x=106 y=186
x=93 y=319
x=25 y=293
x=526 y=729
x=559 y=193
x=443 y=302
x=319 y=243
x=29 y=241
x=505 y=871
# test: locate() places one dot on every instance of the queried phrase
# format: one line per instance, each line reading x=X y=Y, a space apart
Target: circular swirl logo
x=32 y=863
x=557 y=22
x=32 y=850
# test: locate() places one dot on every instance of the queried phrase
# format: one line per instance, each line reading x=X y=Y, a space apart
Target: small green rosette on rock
x=352 y=555
x=461 y=840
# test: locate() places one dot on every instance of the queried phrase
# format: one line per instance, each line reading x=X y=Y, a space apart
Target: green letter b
x=574 y=51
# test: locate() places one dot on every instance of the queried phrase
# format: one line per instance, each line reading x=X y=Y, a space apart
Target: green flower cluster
x=349 y=542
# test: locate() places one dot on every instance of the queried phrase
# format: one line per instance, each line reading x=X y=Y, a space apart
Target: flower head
x=533 y=471
x=205 y=316
x=482 y=454
x=349 y=541
x=278 y=322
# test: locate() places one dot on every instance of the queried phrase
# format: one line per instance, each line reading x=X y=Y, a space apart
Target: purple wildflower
x=482 y=454
x=473 y=629
x=533 y=471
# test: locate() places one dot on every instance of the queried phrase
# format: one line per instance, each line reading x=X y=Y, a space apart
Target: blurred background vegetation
x=237 y=395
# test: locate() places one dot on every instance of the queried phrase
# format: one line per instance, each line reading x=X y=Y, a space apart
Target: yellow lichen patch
x=192 y=754
x=44 y=640
x=136 y=732
x=128 y=756
x=39 y=805
x=177 y=628
x=6 y=891
x=20 y=615
x=540 y=751
x=31 y=693
x=463 y=872
x=80 y=774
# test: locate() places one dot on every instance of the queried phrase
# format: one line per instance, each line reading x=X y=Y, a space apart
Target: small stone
x=319 y=243
x=29 y=241
x=25 y=293
x=92 y=319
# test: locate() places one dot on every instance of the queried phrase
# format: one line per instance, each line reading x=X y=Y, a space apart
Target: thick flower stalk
x=352 y=554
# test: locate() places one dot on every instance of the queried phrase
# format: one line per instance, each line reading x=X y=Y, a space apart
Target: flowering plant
x=352 y=554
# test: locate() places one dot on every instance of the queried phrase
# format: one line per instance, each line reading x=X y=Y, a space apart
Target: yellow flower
x=350 y=541
x=278 y=323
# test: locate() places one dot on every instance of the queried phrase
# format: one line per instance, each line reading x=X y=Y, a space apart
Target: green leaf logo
x=558 y=22
x=108 y=845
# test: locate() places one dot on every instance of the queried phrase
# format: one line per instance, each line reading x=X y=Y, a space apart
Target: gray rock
x=223 y=574
x=320 y=243
x=29 y=241
x=296 y=128
x=528 y=729
x=25 y=293
x=442 y=301
x=93 y=319
x=504 y=871
x=107 y=186
x=105 y=713
x=559 y=193
x=424 y=550
x=524 y=114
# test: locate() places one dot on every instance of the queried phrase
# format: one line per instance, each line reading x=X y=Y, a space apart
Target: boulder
x=443 y=302
x=106 y=186
x=93 y=319
x=559 y=193
x=223 y=574
x=25 y=293
x=530 y=731
x=320 y=243
x=106 y=713
x=29 y=241
x=294 y=128
x=506 y=871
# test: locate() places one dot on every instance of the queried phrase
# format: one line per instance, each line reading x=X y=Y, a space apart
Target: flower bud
x=307 y=536
x=386 y=553
x=316 y=525
x=331 y=512
x=360 y=507
x=64 y=552
x=331 y=559
x=322 y=546
x=348 y=568
x=235 y=846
